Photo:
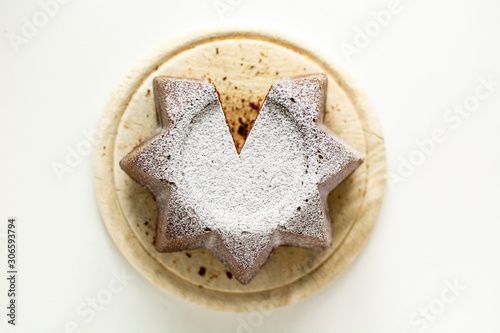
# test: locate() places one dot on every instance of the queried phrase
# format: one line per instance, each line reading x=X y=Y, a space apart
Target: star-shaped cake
x=242 y=205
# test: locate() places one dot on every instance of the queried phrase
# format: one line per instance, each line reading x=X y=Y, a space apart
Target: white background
x=439 y=226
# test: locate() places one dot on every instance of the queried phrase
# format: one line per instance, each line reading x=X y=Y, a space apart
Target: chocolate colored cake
x=241 y=205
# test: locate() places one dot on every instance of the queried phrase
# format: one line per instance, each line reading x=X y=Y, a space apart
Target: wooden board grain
x=242 y=63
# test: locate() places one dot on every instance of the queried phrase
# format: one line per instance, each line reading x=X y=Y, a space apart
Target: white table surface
x=439 y=223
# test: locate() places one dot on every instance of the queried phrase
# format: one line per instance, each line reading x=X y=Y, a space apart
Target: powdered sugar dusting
x=241 y=206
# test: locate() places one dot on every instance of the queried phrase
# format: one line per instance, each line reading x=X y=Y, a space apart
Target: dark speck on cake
x=243 y=130
x=254 y=105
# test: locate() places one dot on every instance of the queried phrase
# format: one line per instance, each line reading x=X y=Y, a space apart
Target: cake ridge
x=185 y=163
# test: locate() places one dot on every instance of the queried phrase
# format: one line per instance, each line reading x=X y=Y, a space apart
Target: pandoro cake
x=242 y=63
x=241 y=204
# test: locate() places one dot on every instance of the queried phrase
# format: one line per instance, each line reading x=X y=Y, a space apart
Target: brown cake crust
x=291 y=273
x=241 y=204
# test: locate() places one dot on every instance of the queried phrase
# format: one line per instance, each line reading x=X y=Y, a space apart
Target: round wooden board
x=242 y=63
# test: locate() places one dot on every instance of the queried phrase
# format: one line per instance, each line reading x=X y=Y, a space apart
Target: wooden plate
x=242 y=63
